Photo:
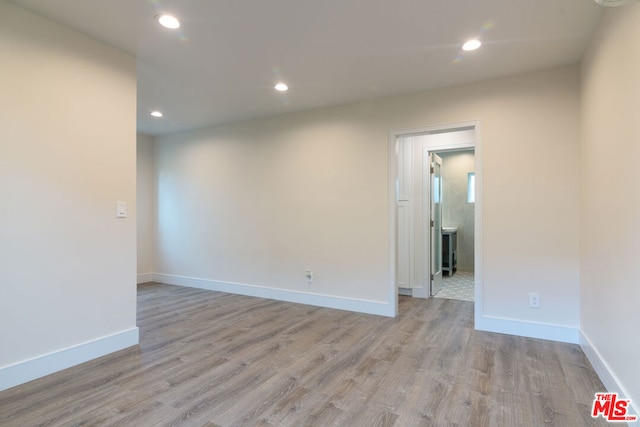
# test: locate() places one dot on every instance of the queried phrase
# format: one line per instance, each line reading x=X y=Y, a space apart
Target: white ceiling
x=221 y=65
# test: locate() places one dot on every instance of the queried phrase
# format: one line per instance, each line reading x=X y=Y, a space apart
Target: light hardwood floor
x=215 y=359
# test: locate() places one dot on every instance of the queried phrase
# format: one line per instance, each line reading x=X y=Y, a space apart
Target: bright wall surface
x=610 y=214
x=456 y=210
x=146 y=207
x=260 y=203
x=257 y=203
x=67 y=154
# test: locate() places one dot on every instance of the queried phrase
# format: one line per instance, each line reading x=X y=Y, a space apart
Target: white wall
x=67 y=154
x=146 y=207
x=258 y=202
x=610 y=214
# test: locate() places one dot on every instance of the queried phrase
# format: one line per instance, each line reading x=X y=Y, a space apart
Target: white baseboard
x=329 y=301
x=28 y=370
x=608 y=378
x=543 y=331
x=145 y=277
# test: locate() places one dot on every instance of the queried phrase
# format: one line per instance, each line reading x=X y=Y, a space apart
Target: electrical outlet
x=309 y=276
x=534 y=300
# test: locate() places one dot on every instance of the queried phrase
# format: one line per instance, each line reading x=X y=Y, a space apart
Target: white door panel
x=435 y=225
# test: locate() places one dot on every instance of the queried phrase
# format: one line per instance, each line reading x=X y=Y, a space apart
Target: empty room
x=223 y=213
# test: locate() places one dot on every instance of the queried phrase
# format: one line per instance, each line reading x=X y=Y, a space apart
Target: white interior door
x=435 y=223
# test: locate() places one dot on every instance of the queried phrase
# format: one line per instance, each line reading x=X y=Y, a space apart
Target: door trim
x=434 y=230
x=393 y=172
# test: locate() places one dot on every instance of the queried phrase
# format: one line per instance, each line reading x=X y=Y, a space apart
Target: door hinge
x=432 y=223
x=432 y=170
x=432 y=277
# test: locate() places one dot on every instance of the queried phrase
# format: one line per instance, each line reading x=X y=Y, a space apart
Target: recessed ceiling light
x=169 y=21
x=281 y=87
x=471 y=44
x=156 y=113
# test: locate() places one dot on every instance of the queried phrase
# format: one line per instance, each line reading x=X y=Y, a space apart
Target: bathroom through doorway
x=458 y=224
x=417 y=261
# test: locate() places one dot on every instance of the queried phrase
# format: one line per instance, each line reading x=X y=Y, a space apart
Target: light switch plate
x=121 y=209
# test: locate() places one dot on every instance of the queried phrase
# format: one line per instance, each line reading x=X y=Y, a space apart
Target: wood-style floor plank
x=213 y=359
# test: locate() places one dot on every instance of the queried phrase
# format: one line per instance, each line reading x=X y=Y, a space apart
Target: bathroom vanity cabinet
x=449 y=250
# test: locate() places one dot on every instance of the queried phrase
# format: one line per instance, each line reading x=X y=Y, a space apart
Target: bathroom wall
x=456 y=210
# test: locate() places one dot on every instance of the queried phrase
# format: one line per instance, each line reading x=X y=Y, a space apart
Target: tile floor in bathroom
x=459 y=286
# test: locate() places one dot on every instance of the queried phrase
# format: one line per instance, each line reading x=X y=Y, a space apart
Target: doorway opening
x=457 y=203
x=428 y=238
